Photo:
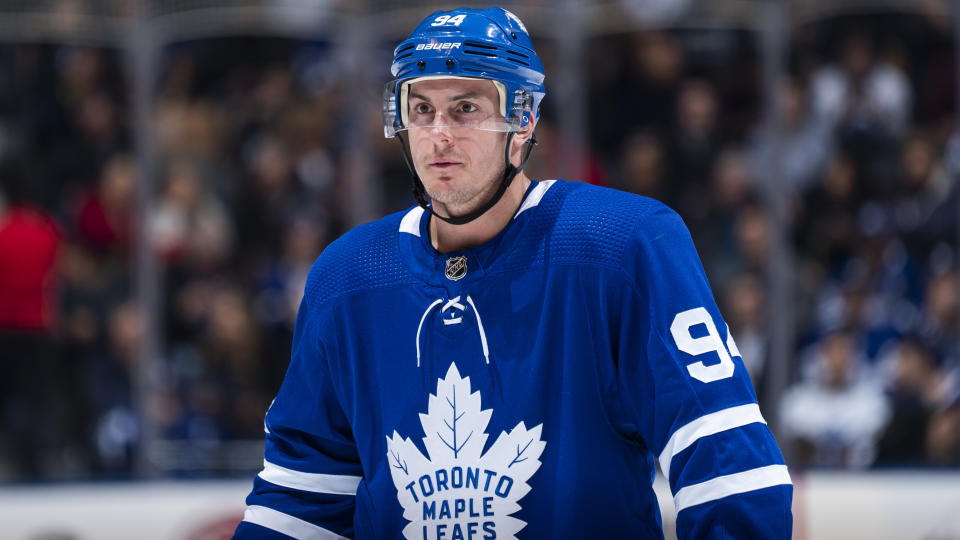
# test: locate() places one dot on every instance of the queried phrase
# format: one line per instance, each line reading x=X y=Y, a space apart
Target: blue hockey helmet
x=469 y=43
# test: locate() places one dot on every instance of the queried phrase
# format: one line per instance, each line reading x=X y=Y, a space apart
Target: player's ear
x=527 y=125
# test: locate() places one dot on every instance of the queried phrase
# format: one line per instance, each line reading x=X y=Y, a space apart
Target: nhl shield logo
x=456 y=268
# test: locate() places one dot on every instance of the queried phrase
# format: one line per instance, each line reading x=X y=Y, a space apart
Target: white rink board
x=828 y=506
x=201 y=510
x=188 y=510
x=906 y=505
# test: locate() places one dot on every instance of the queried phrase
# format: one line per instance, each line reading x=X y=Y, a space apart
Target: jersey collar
x=429 y=265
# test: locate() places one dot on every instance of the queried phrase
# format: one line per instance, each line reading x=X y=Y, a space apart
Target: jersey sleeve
x=311 y=470
x=687 y=389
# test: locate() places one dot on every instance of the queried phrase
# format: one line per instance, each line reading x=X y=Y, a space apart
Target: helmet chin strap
x=509 y=173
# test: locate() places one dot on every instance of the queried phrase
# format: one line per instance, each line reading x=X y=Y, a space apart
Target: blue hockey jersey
x=520 y=389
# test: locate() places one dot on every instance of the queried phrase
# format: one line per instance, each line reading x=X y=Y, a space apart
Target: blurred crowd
x=245 y=201
x=251 y=186
x=860 y=167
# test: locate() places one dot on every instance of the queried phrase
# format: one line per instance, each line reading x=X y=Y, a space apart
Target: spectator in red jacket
x=29 y=240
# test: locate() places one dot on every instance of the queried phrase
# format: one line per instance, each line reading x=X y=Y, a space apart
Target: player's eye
x=467 y=107
x=421 y=108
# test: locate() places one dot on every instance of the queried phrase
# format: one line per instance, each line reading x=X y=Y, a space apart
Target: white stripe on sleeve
x=731 y=484
x=708 y=424
x=287 y=524
x=334 y=484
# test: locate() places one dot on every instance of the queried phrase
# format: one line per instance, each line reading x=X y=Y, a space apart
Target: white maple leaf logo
x=457 y=492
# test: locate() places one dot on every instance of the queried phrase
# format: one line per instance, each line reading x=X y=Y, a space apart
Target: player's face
x=461 y=167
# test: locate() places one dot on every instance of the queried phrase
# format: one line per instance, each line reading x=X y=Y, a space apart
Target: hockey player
x=509 y=358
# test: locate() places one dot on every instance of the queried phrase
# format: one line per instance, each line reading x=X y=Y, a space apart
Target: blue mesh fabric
x=580 y=224
x=364 y=258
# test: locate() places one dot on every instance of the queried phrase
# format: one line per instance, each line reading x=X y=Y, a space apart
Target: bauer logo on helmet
x=439 y=46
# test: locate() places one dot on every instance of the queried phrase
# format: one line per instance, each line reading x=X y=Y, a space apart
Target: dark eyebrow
x=468 y=95
x=420 y=97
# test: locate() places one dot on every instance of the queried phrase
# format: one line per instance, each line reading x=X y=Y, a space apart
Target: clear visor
x=416 y=113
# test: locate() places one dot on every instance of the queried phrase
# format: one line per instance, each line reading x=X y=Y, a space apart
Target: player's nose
x=440 y=131
x=441 y=136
